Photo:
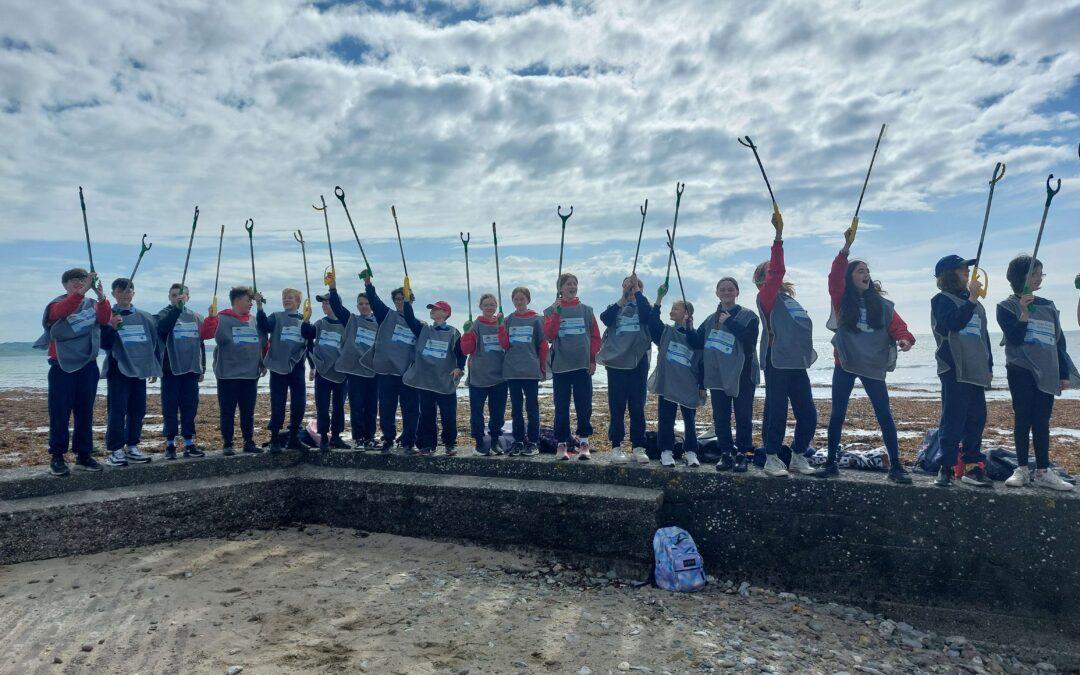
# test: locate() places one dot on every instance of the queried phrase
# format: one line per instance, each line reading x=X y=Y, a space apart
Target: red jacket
x=898 y=329
x=551 y=328
x=774 y=279
x=63 y=308
x=541 y=349
x=468 y=338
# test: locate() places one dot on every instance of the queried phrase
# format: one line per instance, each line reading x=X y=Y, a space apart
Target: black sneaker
x=371 y=444
x=898 y=474
x=410 y=450
x=193 y=450
x=976 y=476
x=294 y=443
x=944 y=477
x=741 y=465
x=358 y=444
x=427 y=452
x=170 y=451
x=495 y=449
x=251 y=448
x=275 y=444
x=228 y=451
x=338 y=444
x=386 y=447
x=58 y=467
x=451 y=450
x=726 y=463
x=87 y=463
x=324 y=444
x=830 y=470
x=518 y=448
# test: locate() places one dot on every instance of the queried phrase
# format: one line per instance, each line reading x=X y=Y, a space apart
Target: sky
x=460 y=113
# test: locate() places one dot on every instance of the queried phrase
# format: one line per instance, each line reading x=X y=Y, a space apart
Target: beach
x=24 y=426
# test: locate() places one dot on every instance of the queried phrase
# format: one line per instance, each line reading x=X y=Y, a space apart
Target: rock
x=233 y=670
x=956 y=641
x=57 y=659
x=1046 y=667
x=886 y=628
x=744 y=589
x=749 y=661
x=87 y=648
x=624 y=666
x=816 y=626
x=584 y=671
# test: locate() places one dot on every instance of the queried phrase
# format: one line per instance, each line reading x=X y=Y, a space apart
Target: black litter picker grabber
x=143 y=248
x=187 y=258
x=641 y=231
x=855 y=220
x=976 y=271
x=340 y=194
x=562 y=243
x=299 y=237
x=1050 y=192
x=329 y=244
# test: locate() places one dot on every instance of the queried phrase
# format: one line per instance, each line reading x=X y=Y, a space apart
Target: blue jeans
x=329 y=406
x=578 y=384
x=126 y=406
x=495 y=396
x=72 y=394
x=525 y=401
x=627 y=389
x=842 y=384
x=781 y=386
x=179 y=394
x=291 y=385
x=427 y=429
x=363 y=406
x=963 y=418
x=392 y=392
x=665 y=432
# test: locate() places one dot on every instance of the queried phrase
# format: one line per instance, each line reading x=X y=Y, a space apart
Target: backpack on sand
x=678 y=563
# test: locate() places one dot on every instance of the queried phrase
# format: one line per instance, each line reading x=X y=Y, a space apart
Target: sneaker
x=88 y=464
x=410 y=450
x=1048 y=478
x=58 y=467
x=481 y=450
x=899 y=474
x=666 y=458
x=517 y=448
x=741 y=464
x=640 y=456
x=583 y=449
x=774 y=467
x=338 y=444
x=726 y=463
x=800 y=465
x=251 y=448
x=324 y=444
x=116 y=458
x=690 y=457
x=496 y=450
x=531 y=450
x=560 y=452
x=976 y=476
x=228 y=451
x=944 y=477
x=830 y=470
x=386 y=447
x=275 y=444
x=451 y=450
x=618 y=456
x=170 y=451
x=427 y=452
x=1021 y=477
x=192 y=450
x=133 y=454
x=295 y=444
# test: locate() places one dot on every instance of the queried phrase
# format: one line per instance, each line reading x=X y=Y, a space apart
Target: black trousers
x=126 y=405
x=179 y=394
x=445 y=405
x=294 y=386
x=72 y=394
x=363 y=406
x=391 y=392
x=329 y=406
x=1032 y=409
x=233 y=394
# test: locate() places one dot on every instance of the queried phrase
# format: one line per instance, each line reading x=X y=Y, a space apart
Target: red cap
x=441 y=304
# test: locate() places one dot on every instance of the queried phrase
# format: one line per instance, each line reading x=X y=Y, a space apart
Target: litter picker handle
x=86 y=229
x=249 y=225
x=340 y=194
x=187 y=259
x=397 y=228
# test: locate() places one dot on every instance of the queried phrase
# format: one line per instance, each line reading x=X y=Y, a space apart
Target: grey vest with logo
x=239 y=348
x=360 y=334
x=723 y=358
x=137 y=349
x=77 y=336
x=522 y=359
x=675 y=376
x=326 y=351
x=1039 y=352
x=394 y=347
x=435 y=359
x=968 y=347
x=486 y=363
x=792 y=334
x=625 y=343
x=865 y=351
x=184 y=345
x=287 y=344
x=570 y=349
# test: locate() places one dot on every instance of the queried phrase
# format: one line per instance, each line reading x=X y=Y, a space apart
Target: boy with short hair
x=285 y=360
x=361 y=383
x=238 y=367
x=182 y=333
x=72 y=324
x=434 y=374
x=133 y=354
x=389 y=358
x=326 y=337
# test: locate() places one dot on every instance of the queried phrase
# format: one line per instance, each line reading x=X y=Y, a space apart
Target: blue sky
x=461 y=113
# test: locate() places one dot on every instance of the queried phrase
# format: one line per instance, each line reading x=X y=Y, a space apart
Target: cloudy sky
x=461 y=113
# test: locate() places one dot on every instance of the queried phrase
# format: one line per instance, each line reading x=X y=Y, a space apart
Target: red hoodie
x=551 y=328
x=468 y=338
x=61 y=309
x=898 y=329
x=541 y=349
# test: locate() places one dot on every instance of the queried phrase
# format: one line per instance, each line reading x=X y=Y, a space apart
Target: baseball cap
x=322 y=298
x=951 y=262
x=441 y=304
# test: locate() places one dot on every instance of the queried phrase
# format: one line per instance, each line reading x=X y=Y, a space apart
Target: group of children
x=383 y=360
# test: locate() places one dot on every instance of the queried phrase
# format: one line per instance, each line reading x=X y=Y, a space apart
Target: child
x=133 y=355
x=480 y=342
x=570 y=327
x=284 y=359
x=327 y=336
x=522 y=336
x=360 y=331
x=435 y=374
x=787 y=351
x=731 y=374
x=1038 y=368
x=182 y=333
x=389 y=358
x=965 y=368
x=624 y=352
x=868 y=331
x=677 y=379
x=238 y=367
x=72 y=324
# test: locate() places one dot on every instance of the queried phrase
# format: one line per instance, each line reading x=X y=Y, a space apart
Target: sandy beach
x=24 y=430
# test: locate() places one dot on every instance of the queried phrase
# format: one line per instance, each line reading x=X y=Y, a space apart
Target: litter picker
x=679 y=187
x=249 y=225
x=641 y=231
x=143 y=248
x=340 y=194
x=465 y=237
x=562 y=241
x=329 y=244
x=217 y=269
x=299 y=236
x=855 y=221
x=999 y=173
x=86 y=229
x=1050 y=192
x=187 y=259
x=498 y=278
x=393 y=212
x=750 y=144
x=671 y=247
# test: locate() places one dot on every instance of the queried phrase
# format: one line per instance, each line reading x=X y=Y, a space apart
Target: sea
x=22 y=367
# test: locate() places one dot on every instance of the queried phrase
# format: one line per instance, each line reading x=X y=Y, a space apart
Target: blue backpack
x=678 y=564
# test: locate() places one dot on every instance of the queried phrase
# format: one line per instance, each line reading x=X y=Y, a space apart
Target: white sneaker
x=640 y=456
x=666 y=458
x=798 y=464
x=774 y=467
x=1019 y=478
x=583 y=449
x=133 y=454
x=560 y=452
x=690 y=457
x=116 y=458
x=1048 y=478
x=618 y=456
